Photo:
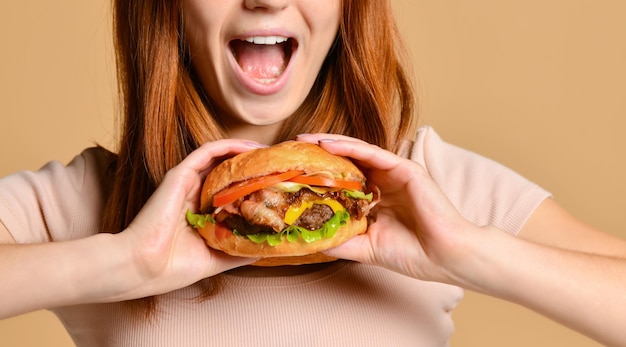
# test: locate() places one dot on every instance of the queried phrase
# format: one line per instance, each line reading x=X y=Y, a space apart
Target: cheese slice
x=294 y=212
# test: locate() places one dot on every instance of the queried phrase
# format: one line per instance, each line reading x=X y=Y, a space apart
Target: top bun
x=285 y=156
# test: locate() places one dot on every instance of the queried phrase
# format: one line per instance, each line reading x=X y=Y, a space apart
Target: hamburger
x=283 y=204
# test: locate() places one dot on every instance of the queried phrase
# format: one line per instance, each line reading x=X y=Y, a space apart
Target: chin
x=263 y=113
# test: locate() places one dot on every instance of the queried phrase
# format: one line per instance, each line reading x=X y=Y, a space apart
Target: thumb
x=358 y=249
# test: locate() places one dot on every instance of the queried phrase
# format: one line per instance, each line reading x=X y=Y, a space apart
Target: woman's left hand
x=414 y=229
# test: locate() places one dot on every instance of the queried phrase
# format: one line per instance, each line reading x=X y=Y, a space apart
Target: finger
x=224 y=262
x=366 y=154
x=204 y=157
x=356 y=249
x=320 y=137
x=185 y=179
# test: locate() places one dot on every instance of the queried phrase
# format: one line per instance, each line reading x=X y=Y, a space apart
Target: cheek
x=322 y=16
x=325 y=28
x=192 y=16
x=200 y=20
x=325 y=15
x=200 y=25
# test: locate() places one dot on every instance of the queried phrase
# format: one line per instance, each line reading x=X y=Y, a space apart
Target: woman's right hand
x=168 y=254
x=157 y=253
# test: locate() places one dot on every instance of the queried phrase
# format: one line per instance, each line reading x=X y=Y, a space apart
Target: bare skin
x=156 y=254
x=419 y=233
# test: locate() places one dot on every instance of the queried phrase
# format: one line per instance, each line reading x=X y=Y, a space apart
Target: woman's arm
x=37 y=276
x=582 y=287
x=102 y=268
x=418 y=232
x=157 y=253
x=5 y=236
x=552 y=225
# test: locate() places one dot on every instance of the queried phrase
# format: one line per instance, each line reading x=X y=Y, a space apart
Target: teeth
x=266 y=40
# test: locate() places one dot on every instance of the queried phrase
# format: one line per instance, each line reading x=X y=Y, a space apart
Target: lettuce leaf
x=292 y=233
x=292 y=187
x=357 y=194
x=199 y=220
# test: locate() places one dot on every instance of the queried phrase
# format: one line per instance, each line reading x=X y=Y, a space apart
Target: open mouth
x=263 y=58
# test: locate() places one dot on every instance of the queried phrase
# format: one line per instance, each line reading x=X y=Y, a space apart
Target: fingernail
x=256 y=144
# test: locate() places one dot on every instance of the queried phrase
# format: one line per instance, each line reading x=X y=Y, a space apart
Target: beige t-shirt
x=341 y=304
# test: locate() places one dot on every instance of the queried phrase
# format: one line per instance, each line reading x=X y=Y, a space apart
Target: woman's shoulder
x=58 y=201
x=484 y=191
x=88 y=173
x=425 y=142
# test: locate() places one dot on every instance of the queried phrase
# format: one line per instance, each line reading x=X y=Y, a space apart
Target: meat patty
x=314 y=217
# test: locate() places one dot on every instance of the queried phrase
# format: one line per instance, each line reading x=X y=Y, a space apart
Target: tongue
x=261 y=61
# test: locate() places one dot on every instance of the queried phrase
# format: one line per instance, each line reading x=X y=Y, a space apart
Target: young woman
x=103 y=241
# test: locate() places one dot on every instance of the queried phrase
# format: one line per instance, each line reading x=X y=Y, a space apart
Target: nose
x=268 y=5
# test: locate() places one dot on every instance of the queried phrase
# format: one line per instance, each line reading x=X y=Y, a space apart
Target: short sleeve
x=57 y=202
x=484 y=191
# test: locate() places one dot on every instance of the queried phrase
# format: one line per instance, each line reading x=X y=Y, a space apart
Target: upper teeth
x=266 y=40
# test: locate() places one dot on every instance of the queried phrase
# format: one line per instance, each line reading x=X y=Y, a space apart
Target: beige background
x=539 y=85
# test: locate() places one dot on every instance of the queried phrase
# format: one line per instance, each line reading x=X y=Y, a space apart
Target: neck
x=264 y=134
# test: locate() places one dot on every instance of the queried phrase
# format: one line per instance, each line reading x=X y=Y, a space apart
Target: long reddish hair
x=363 y=90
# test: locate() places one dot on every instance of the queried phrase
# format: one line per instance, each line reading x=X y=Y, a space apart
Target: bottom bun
x=286 y=253
x=295 y=260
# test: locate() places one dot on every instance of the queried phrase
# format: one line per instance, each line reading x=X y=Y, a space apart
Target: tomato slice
x=323 y=181
x=222 y=231
x=244 y=188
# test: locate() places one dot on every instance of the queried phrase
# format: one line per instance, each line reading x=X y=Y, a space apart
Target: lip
x=258 y=87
